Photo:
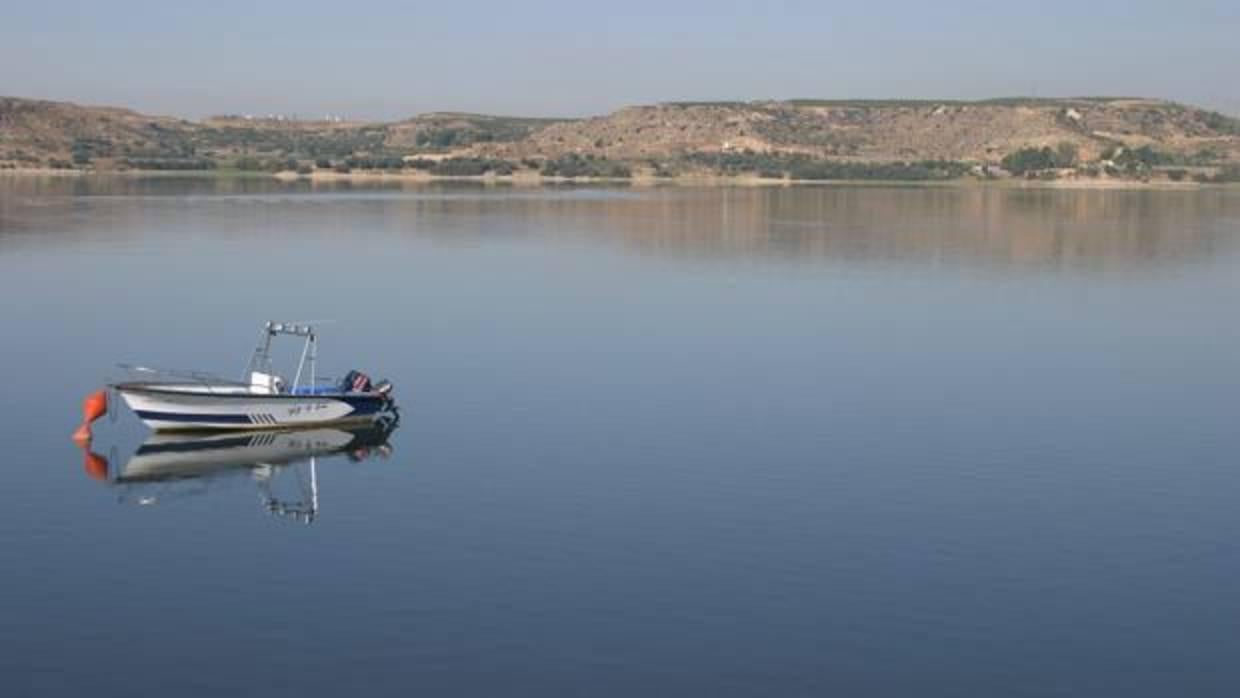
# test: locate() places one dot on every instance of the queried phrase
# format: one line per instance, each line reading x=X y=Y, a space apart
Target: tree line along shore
x=1042 y=165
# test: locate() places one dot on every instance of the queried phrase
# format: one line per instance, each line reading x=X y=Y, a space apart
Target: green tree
x=248 y=164
x=1028 y=160
x=1066 y=154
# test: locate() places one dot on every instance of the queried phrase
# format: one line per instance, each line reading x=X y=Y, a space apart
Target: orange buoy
x=96 y=465
x=93 y=407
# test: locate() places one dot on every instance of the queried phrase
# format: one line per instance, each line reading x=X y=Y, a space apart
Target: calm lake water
x=752 y=442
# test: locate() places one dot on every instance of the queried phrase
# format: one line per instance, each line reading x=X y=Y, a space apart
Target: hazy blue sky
x=546 y=57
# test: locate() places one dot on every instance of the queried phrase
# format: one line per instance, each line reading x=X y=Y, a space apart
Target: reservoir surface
x=780 y=441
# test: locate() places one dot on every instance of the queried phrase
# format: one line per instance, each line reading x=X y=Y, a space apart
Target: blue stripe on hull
x=181 y=417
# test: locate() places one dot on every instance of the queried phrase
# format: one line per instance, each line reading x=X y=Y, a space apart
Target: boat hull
x=172 y=408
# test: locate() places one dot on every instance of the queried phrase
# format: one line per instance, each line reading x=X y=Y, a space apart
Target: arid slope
x=35 y=133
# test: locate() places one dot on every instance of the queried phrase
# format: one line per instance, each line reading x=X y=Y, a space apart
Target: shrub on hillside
x=374 y=163
x=573 y=165
x=780 y=165
x=471 y=167
x=1223 y=124
x=1028 y=160
x=1143 y=158
x=169 y=163
x=1066 y=154
x=248 y=164
x=1229 y=173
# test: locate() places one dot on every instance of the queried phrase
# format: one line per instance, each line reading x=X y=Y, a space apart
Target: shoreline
x=534 y=179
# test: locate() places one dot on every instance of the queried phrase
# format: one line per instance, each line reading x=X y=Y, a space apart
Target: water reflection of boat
x=170 y=466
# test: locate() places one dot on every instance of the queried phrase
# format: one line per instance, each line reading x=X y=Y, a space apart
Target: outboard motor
x=355 y=382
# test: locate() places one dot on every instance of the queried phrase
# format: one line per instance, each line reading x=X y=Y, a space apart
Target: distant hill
x=810 y=138
x=37 y=132
x=448 y=130
x=872 y=130
x=44 y=133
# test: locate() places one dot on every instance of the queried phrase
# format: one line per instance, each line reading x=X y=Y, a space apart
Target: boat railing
x=207 y=381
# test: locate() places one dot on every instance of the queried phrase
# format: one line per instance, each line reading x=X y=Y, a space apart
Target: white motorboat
x=182 y=401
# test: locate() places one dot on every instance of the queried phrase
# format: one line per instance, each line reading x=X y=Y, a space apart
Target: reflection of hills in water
x=170 y=466
x=961 y=224
x=950 y=224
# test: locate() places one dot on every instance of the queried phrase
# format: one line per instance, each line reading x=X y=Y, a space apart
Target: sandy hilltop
x=1089 y=141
